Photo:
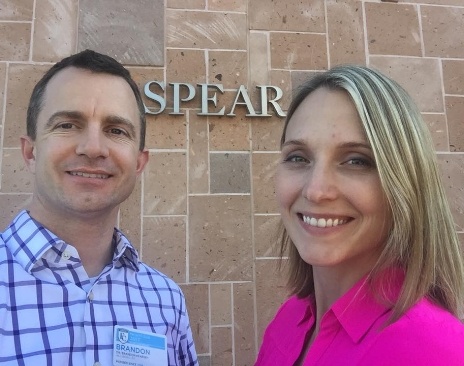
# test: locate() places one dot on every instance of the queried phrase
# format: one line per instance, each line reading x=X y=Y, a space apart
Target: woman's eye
x=295 y=159
x=360 y=162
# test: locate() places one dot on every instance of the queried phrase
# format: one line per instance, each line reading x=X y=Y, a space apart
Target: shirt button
x=90 y=296
x=66 y=255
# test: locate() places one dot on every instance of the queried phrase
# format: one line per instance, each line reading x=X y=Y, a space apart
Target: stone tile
x=298 y=51
x=263 y=168
x=2 y=94
x=166 y=132
x=455 y=113
x=204 y=360
x=420 y=78
x=15 y=39
x=230 y=173
x=258 y=58
x=196 y=297
x=11 y=204
x=346 y=32
x=244 y=324
x=228 y=5
x=461 y=240
x=15 y=176
x=55 y=29
x=452 y=167
x=109 y=26
x=221 y=304
x=220 y=238
x=269 y=294
x=265 y=133
x=438 y=129
x=207 y=30
x=434 y=2
x=400 y=22
x=453 y=76
x=21 y=81
x=290 y=15
x=165 y=184
x=182 y=4
x=228 y=68
x=226 y=134
x=164 y=244
x=16 y=10
x=221 y=344
x=442 y=29
x=198 y=154
x=266 y=235
x=130 y=215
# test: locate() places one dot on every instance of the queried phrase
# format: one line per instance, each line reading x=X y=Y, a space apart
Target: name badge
x=134 y=347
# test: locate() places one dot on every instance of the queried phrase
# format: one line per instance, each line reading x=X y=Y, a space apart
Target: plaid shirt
x=47 y=318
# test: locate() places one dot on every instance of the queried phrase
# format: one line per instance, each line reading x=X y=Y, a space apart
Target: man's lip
x=99 y=174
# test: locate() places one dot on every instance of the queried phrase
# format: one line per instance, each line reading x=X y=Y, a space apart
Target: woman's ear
x=28 y=151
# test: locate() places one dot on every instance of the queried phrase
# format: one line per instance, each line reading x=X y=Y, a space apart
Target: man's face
x=86 y=154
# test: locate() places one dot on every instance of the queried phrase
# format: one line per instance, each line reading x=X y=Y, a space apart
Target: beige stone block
x=230 y=172
x=228 y=5
x=345 y=27
x=11 y=204
x=182 y=4
x=16 y=10
x=198 y=154
x=300 y=51
x=221 y=304
x=164 y=243
x=244 y=324
x=130 y=215
x=453 y=76
x=266 y=235
x=21 y=81
x=196 y=296
x=229 y=134
x=437 y=126
x=442 y=29
x=228 y=68
x=283 y=80
x=393 y=29
x=15 y=39
x=266 y=132
x=452 y=168
x=220 y=238
x=290 y=15
x=434 y=2
x=55 y=29
x=258 y=58
x=207 y=30
x=15 y=176
x=166 y=132
x=204 y=360
x=263 y=168
x=165 y=184
x=455 y=116
x=221 y=346
x=420 y=77
x=110 y=26
x=269 y=294
x=461 y=239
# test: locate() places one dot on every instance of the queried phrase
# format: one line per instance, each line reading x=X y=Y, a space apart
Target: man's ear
x=142 y=160
x=28 y=151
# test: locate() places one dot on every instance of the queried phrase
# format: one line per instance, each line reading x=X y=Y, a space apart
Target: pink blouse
x=351 y=333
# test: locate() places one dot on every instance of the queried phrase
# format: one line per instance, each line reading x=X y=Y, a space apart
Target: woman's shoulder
x=425 y=334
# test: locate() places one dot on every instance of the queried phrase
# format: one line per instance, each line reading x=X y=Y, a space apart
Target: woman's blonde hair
x=422 y=241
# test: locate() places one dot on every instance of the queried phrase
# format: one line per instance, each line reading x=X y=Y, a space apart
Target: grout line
x=421 y=30
x=31 y=44
x=327 y=35
x=366 y=43
x=187 y=221
x=232 y=316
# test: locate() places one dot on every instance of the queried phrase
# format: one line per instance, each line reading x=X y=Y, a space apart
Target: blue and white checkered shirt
x=47 y=318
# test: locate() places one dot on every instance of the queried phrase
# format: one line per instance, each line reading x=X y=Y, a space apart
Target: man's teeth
x=322 y=222
x=88 y=175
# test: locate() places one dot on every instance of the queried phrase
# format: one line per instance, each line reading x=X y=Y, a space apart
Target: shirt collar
x=28 y=240
x=359 y=308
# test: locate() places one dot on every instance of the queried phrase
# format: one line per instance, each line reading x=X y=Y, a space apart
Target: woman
x=375 y=266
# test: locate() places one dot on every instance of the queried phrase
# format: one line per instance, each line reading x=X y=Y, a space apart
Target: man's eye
x=117 y=131
x=65 y=126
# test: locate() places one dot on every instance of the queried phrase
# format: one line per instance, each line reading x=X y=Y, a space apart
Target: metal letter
x=246 y=100
x=205 y=99
x=265 y=101
x=153 y=96
x=177 y=100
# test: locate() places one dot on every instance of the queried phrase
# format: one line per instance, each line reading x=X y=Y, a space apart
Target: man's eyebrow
x=121 y=121
x=75 y=115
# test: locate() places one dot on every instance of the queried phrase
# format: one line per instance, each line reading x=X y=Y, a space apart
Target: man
x=72 y=288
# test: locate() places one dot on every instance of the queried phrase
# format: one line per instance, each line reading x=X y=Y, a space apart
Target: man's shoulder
x=153 y=277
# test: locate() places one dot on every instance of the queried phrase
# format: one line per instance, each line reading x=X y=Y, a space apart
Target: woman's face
x=328 y=188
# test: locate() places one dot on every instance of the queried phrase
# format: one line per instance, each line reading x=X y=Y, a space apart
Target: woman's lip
x=323 y=221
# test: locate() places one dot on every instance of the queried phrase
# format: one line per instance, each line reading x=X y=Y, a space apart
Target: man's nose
x=92 y=143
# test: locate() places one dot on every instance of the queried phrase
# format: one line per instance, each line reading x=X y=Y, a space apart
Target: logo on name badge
x=123 y=335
